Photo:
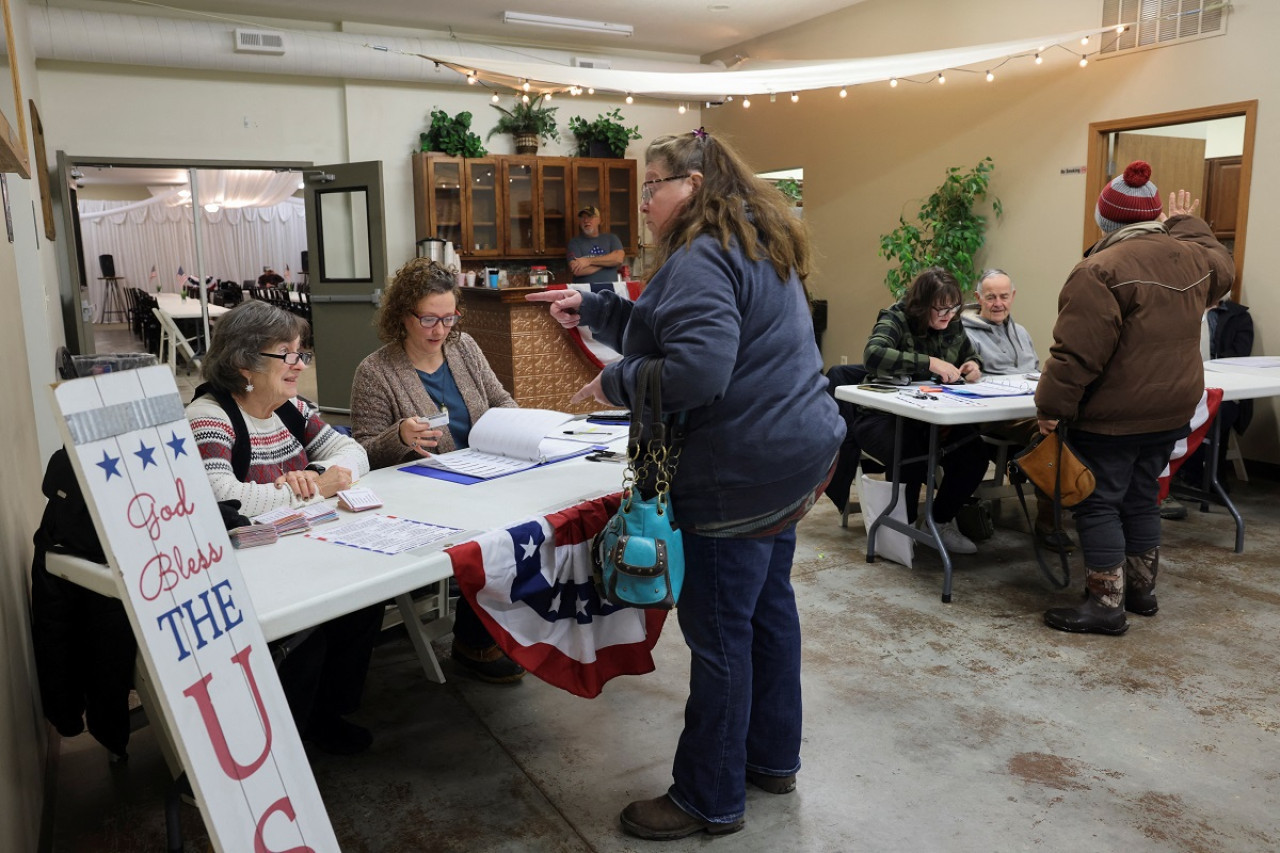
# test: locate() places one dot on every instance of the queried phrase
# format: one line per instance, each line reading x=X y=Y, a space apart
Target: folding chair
x=177 y=342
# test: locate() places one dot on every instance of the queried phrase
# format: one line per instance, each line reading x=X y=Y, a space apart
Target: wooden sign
x=197 y=631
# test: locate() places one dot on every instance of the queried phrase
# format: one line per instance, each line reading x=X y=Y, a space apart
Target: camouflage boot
x=1140 y=572
x=1102 y=611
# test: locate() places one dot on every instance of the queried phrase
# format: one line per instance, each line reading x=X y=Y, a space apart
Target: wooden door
x=1177 y=163
x=1222 y=195
x=556 y=218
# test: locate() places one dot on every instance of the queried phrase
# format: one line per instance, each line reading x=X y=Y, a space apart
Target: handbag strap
x=1063 y=559
x=652 y=441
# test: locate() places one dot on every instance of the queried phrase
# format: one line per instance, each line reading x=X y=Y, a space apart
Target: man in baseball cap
x=594 y=257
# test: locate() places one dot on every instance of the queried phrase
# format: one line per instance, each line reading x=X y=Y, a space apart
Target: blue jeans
x=738 y=614
x=1122 y=516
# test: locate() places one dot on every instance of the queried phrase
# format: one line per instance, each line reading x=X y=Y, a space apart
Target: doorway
x=1184 y=153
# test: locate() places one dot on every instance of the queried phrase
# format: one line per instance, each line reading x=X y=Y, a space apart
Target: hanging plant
x=792 y=189
x=948 y=232
x=451 y=136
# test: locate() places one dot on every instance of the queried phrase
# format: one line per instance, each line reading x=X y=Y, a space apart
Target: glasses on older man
x=947 y=310
x=429 y=321
x=291 y=358
x=646 y=189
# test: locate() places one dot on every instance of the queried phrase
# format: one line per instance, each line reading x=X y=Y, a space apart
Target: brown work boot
x=660 y=819
x=1102 y=611
x=1140 y=572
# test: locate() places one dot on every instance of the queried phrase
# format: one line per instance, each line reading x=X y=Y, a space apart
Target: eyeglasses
x=290 y=358
x=429 y=321
x=948 y=310
x=646 y=189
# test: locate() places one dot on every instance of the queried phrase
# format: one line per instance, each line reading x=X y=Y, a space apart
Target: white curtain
x=147 y=236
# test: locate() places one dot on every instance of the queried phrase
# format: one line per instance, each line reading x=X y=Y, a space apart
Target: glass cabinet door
x=484 y=228
x=588 y=187
x=518 y=202
x=559 y=222
x=623 y=210
x=444 y=182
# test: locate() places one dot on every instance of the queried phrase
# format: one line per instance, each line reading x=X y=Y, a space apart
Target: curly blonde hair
x=413 y=282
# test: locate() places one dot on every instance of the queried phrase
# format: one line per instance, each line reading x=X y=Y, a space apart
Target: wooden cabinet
x=521 y=206
x=456 y=199
x=611 y=186
x=536 y=200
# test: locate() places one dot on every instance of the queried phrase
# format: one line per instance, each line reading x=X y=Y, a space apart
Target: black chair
x=851 y=455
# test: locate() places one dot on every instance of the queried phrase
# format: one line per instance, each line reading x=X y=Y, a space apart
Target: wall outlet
x=844 y=359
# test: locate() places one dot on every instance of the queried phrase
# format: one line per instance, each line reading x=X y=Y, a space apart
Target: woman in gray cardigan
x=428 y=366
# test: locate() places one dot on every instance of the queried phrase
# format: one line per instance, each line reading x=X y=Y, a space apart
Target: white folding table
x=1237 y=383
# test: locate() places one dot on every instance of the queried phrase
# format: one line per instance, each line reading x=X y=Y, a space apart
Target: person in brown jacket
x=1125 y=372
x=429 y=365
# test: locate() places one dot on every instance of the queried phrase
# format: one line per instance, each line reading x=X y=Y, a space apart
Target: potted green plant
x=451 y=136
x=948 y=232
x=606 y=136
x=528 y=122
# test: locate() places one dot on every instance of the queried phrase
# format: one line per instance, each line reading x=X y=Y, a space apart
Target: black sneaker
x=336 y=736
x=489 y=664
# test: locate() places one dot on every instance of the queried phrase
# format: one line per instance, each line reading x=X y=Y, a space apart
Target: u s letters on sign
x=197 y=632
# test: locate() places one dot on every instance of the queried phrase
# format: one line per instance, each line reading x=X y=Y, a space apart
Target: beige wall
x=29 y=332
x=879 y=152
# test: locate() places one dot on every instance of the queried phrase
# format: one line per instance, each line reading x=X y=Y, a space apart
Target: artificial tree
x=606 y=132
x=528 y=122
x=948 y=232
x=451 y=136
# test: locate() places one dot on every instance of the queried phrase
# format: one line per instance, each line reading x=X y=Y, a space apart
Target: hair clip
x=700 y=133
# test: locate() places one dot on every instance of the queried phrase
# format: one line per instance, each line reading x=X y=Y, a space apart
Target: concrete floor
x=929 y=727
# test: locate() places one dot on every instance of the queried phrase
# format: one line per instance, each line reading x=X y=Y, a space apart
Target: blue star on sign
x=146 y=454
x=110 y=464
x=177 y=445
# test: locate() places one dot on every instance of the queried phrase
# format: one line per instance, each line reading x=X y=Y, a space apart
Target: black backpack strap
x=288 y=413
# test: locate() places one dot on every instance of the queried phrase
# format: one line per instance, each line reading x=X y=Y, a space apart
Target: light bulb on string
x=990 y=77
x=591 y=90
x=681 y=109
x=746 y=102
x=546 y=96
x=1084 y=61
x=942 y=78
x=471 y=78
x=1120 y=28
x=844 y=93
x=525 y=85
x=495 y=98
x=1085 y=41
x=524 y=98
x=893 y=82
x=630 y=100
x=1039 y=59
x=795 y=97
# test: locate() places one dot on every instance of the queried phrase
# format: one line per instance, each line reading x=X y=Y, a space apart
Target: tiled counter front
x=532 y=356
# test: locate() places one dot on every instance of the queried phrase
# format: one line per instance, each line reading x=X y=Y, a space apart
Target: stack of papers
x=358 y=500
x=253 y=535
x=287 y=520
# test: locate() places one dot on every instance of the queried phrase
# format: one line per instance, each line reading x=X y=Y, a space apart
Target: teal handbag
x=639 y=555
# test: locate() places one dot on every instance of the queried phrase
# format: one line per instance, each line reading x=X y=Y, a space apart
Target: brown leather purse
x=1053 y=466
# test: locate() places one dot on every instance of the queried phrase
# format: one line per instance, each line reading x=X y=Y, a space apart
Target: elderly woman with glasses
x=429 y=365
x=921 y=338
x=266 y=447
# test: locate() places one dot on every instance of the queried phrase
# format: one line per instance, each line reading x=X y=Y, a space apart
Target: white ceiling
x=670 y=26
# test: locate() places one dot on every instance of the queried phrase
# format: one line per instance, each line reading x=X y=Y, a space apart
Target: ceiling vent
x=259 y=41
x=1156 y=23
x=583 y=62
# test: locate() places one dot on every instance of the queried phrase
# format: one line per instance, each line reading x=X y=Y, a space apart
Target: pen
x=580 y=431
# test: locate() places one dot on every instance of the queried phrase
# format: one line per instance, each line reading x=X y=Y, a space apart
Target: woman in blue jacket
x=728 y=313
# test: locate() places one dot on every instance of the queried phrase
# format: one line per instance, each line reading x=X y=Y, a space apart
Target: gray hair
x=241 y=334
x=988 y=273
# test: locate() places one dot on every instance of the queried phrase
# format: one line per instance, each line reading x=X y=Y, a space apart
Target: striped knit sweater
x=272 y=451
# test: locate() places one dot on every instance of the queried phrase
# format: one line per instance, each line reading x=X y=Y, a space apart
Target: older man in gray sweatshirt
x=1005 y=346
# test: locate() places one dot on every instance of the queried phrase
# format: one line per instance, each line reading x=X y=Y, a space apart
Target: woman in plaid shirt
x=921 y=338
